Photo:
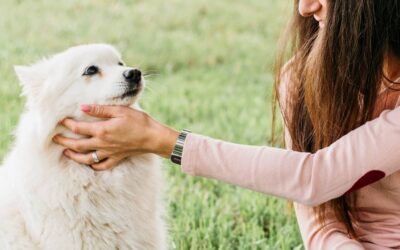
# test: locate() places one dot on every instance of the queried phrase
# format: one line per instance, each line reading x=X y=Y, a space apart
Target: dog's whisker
x=148 y=89
x=151 y=72
x=151 y=76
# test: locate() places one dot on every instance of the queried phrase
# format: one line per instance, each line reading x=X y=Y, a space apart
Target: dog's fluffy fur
x=50 y=202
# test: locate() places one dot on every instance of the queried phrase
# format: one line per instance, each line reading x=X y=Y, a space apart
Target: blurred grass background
x=210 y=69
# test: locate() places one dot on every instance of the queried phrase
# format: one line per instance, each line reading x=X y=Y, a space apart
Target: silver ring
x=95 y=157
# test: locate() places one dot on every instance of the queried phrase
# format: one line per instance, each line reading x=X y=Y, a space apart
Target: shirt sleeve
x=359 y=158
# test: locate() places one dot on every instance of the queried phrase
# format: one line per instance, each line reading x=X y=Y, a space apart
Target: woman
x=342 y=74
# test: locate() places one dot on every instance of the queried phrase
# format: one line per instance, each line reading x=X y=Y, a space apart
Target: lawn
x=209 y=66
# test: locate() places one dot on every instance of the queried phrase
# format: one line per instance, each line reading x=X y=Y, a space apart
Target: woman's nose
x=309 y=7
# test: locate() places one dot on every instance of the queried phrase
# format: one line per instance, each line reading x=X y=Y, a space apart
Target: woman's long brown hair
x=335 y=74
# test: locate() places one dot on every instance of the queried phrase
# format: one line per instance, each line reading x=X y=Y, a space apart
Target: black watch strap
x=176 y=156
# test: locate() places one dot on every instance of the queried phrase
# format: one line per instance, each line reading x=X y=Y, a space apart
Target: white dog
x=50 y=202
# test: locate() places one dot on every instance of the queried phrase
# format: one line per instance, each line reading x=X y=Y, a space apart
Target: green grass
x=211 y=71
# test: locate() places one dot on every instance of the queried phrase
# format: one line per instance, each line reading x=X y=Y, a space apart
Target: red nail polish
x=85 y=108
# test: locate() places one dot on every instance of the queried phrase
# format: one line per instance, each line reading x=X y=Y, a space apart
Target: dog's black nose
x=132 y=75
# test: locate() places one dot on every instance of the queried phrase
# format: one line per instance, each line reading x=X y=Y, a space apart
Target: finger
x=106 y=164
x=103 y=111
x=82 y=128
x=86 y=159
x=78 y=145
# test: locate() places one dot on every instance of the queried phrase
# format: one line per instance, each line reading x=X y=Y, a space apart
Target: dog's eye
x=91 y=70
x=120 y=63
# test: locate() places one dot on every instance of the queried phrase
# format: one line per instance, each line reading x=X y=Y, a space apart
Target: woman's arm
x=306 y=178
x=303 y=177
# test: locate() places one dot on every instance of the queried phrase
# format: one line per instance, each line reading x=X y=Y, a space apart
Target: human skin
x=127 y=132
x=316 y=8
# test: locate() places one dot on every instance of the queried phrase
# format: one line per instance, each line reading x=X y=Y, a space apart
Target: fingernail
x=86 y=108
x=55 y=138
x=65 y=152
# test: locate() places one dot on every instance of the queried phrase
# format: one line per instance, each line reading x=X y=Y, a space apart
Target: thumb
x=102 y=111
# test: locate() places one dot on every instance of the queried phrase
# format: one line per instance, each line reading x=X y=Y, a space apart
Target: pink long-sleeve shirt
x=357 y=161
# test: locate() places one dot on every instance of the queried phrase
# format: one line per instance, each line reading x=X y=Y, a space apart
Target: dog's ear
x=31 y=80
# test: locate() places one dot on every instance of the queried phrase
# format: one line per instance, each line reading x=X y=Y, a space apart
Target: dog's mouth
x=127 y=94
x=130 y=93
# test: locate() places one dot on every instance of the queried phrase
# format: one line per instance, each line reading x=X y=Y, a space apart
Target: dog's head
x=86 y=74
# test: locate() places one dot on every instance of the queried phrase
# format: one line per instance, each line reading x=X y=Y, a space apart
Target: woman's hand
x=127 y=132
